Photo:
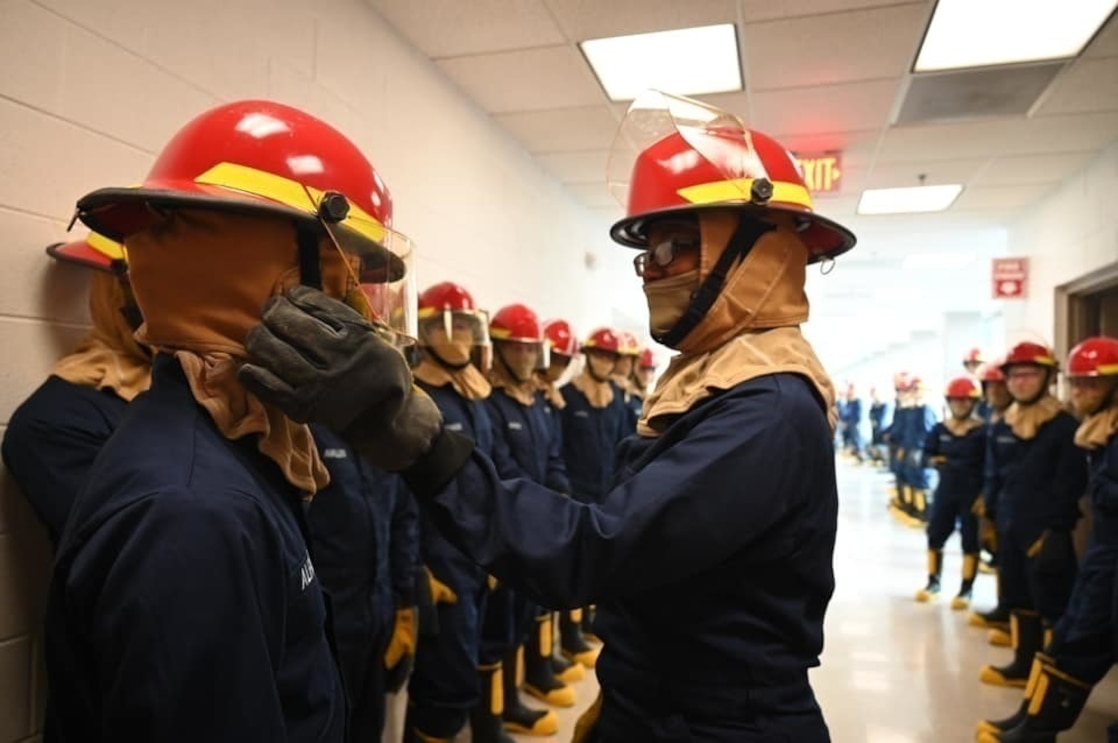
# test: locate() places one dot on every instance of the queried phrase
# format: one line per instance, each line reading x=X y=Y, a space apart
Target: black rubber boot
x=572 y=642
x=518 y=717
x=997 y=727
x=1055 y=706
x=961 y=602
x=539 y=673
x=485 y=719
x=935 y=570
x=1027 y=631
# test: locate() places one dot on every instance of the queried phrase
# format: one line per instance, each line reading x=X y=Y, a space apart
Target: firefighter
x=710 y=556
x=644 y=373
x=918 y=424
x=523 y=417
x=629 y=353
x=184 y=574
x=55 y=434
x=458 y=673
x=900 y=496
x=975 y=362
x=879 y=411
x=1082 y=649
x=1035 y=477
x=956 y=447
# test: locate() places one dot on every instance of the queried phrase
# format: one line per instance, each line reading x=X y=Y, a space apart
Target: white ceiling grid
x=819 y=75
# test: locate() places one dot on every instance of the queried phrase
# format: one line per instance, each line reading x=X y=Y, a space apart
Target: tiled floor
x=895 y=671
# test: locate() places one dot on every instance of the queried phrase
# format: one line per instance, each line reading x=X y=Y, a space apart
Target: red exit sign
x=822 y=173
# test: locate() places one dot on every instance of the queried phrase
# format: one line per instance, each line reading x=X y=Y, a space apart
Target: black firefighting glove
x=319 y=361
x=1054 y=552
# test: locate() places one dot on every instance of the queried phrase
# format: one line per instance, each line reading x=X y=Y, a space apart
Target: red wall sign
x=822 y=173
x=1010 y=278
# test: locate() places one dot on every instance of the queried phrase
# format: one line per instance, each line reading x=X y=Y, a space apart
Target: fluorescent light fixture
x=687 y=61
x=984 y=33
x=912 y=200
x=937 y=261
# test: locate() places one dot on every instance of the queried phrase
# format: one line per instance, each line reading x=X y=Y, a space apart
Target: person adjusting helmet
x=192 y=522
x=710 y=490
x=55 y=434
x=956 y=447
x=1082 y=649
x=1034 y=478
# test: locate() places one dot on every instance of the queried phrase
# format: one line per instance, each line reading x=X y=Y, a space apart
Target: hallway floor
x=893 y=670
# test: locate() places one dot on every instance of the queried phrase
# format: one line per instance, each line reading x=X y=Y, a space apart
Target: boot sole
x=548 y=724
x=566 y=696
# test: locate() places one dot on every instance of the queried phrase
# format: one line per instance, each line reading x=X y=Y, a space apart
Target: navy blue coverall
x=51 y=442
x=1084 y=643
x=710 y=562
x=918 y=423
x=1033 y=487
x=960 y=484
x=852 y=428
x=590 y=439
x=444 y=685
x=365 y=531
x=184 y=604
x=532 y=436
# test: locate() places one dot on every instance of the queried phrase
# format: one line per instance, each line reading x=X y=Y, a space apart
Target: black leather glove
x=319 y=361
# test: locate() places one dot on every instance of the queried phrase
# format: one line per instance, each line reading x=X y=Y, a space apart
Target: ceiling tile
x=576 y=167
x=1019 y=170
x=1001 y=197
x=448 y=28
x=582 y=20
x=936 y=172
x=594 y=195
x=835 y=48
x=1105 y=43
x=857 y=147
x=1090 y=85
x=562 y=130
x=767 y=10
x=527 y=80
x=1046 y=134
x=802 y=111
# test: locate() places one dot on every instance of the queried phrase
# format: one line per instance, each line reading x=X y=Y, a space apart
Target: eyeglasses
x=663 y=253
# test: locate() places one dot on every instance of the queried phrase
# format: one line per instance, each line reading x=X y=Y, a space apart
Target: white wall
x=91 y=89
x=1073 y=232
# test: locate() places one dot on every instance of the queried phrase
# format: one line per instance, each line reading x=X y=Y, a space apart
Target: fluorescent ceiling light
x=984 y=33
x=908 y=200
x=687 y=61
x=937 y=261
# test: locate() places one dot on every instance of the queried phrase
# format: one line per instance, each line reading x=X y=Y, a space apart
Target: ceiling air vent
x=969 y=94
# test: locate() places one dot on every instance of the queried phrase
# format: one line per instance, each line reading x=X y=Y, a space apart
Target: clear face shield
x=457 y=337
x=720 y=139
x=523 y=359
x=380 y=282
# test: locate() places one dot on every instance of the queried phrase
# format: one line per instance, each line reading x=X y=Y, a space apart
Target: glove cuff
x=434 y=470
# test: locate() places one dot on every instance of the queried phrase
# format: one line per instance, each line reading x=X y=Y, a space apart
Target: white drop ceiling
x=820 y=75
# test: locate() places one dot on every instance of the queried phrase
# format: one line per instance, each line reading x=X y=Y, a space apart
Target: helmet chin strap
x=748 y=232
x=593 y=374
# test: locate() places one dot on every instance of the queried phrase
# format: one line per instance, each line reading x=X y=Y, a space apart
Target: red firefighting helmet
x=603 y=339
x=648 y=361
x=1028 y=352
x=992 y=372
x=262 y=157
x=974 y=356
x=448 y=300
x=516 y=322
x=962 y=388
x=1094 y=357
x=560 y=337
x=95 y=251
x=628 y=345
x=678 y=156
x=901 y=380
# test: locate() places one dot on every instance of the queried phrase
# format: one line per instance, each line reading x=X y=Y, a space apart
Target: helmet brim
x=80 y=254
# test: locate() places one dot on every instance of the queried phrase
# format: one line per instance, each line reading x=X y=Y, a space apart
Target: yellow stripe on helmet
x=737 y=189
x=106 y=247
x=291 y=193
